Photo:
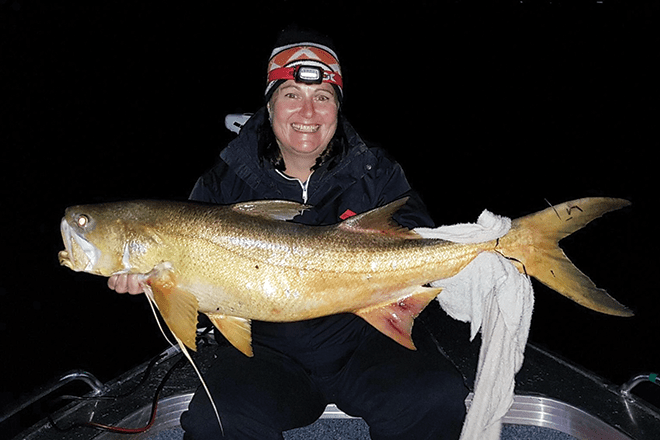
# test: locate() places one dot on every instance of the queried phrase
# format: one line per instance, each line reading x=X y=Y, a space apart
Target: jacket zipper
x=303 y=185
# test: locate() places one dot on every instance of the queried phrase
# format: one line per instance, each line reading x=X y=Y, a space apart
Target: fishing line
x=515 y=260
x=150 y=300
x=145 y=376
x=553 y=208
x=201 y=379
x=154 y=404
x=117 y=429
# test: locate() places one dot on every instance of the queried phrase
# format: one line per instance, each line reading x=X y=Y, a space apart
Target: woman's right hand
x=127 y=283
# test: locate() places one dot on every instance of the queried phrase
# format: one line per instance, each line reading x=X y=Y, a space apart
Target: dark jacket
x=364 y=178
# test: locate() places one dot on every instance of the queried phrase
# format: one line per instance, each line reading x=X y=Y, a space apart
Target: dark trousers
x=401 y=394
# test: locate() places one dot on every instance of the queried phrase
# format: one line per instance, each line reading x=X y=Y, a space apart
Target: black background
x=497 y=106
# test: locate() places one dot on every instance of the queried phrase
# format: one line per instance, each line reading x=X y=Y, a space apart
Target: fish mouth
x=306 y=128
x=63 y=257
x=79 y=254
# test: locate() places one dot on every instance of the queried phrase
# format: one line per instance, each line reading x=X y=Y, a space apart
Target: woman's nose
x=307 y=109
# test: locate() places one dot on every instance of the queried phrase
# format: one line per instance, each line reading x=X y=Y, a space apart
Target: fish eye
x=82 y=221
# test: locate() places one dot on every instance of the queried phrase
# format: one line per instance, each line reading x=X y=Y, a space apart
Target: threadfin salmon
x=241 y=262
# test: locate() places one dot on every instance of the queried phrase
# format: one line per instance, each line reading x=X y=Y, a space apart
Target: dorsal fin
x=379 y=221
x=271 y=209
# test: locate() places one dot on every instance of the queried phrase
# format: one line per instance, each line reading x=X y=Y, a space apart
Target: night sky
x=487 y=105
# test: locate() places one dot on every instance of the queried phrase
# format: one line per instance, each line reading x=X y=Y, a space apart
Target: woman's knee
x=260 y=397
x=431 y=408
x=200 y=424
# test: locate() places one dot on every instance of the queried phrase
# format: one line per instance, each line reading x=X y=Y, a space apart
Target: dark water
x=485 y=107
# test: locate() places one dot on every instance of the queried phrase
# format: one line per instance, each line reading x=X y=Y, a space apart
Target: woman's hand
x=127 y=282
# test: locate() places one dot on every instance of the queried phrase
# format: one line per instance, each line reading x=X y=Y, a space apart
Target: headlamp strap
x=306 y=74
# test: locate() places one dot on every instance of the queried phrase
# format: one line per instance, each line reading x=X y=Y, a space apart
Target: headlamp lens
x=309 y=75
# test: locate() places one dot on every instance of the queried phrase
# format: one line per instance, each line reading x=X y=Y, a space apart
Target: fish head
x=98 y=239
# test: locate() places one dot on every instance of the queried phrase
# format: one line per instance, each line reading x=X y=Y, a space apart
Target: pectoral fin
x=177 y=307
x=238 y=331
x=396 y=319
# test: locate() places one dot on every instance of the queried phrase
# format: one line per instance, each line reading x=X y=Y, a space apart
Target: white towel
x=495 y=297
x=488 y=227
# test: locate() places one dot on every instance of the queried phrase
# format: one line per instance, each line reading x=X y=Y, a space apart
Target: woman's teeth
x=306 y=128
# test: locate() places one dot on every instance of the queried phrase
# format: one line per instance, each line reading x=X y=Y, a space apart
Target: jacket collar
x=242 y=156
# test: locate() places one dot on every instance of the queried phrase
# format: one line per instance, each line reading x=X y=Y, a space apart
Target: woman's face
x=304 y=119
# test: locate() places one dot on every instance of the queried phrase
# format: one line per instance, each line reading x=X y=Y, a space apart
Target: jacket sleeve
x=414 y=213
x=205 y=190
x=395 y=186
x=219 y=185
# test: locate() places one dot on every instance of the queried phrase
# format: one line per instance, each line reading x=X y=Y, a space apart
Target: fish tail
x=533 y=245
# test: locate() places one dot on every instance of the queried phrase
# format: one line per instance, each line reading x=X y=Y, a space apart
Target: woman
x=299 y=147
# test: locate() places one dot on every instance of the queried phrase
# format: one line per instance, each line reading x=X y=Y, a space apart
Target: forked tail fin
x=533 y=241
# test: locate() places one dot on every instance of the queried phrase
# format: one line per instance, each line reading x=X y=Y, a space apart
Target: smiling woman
x=304 y=93
x=300 y=147
x=304 y=120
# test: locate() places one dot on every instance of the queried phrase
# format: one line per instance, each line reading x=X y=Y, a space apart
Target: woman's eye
x=325 y=98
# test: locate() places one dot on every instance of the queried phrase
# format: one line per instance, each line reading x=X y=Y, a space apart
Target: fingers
x=126 y=283
x=118 y=283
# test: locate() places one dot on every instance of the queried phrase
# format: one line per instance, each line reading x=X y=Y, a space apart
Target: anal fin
x=238 y=331
x=177 y=307
x=396 y=318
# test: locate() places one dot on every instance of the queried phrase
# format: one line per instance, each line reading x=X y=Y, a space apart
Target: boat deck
x=555 y=400
x=334 y=425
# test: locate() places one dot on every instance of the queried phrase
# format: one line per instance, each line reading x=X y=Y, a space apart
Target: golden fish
x=242 y=262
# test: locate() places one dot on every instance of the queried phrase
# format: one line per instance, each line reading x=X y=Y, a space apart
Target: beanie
x=303 y=56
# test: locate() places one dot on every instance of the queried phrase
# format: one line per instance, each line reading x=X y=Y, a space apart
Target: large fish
x=244 y=261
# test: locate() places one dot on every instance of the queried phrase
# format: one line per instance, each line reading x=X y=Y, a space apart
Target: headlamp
x=308 y=74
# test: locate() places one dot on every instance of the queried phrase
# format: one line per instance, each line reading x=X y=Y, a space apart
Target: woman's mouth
x=306 y=128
